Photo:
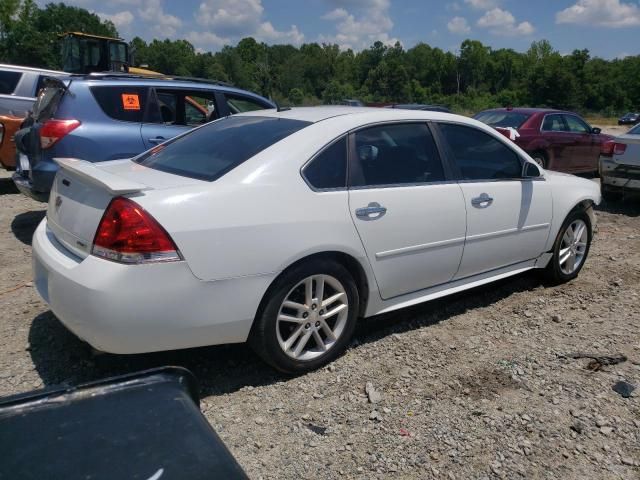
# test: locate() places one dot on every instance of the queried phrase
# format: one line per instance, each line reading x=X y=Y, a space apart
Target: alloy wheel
x=312 y=317
x=573 y=247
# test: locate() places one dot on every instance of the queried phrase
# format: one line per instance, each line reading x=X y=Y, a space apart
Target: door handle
x=482 y=201
x=157 y=140
x=374 y=208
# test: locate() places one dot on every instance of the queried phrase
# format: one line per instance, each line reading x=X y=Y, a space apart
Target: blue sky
x=608 y=28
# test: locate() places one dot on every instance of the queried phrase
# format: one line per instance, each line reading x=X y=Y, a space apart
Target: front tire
x=540 y=158
x=571 y=248
x=307 y=318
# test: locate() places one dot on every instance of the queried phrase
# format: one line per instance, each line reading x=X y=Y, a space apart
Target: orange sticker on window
x=130 y=101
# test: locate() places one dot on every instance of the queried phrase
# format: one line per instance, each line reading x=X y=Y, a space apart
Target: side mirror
x=596 y=130
x=531 y=170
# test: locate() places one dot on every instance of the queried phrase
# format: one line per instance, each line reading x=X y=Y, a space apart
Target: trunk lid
x=82 y=191
x=631 y=155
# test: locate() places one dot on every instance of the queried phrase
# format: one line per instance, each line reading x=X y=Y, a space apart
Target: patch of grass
x=596 y=120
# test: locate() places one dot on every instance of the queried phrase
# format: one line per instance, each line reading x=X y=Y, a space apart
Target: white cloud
x=482 y=4
x=602 y=13
x=502 y=22
x=233 y=19
x=161 y=23
x=122 y=20
x=360 y=23
x=267 y=33
x=458 y=25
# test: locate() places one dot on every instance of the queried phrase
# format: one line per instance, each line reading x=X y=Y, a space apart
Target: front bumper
x=128 y=309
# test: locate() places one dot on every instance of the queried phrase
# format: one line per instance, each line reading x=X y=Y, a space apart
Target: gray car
x=19 y=87
x=620 y=165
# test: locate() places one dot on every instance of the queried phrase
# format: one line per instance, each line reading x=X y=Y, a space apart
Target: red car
x=555 y=139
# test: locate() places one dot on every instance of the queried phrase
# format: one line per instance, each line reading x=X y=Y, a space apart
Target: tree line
x=473 y=78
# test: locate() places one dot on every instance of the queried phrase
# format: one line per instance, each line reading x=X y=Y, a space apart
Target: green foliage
x=474 y=78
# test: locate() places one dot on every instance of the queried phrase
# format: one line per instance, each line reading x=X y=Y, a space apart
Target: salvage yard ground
x=481 y=385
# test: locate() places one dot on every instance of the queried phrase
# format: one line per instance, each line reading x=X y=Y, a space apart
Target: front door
x=409 y=215
x=508 y=217
x=586 y=151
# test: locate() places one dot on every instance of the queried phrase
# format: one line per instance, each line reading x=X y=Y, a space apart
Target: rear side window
x=329 y=168
x=8 y=81
x=207 y=153
x=239 y=104
x=553 y=123
x=126 y=104
x=395 y=154
x=480 y=156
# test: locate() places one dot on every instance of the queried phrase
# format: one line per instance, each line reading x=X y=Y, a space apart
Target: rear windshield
x=207 y=153
x=502 y=119
x=48 y=99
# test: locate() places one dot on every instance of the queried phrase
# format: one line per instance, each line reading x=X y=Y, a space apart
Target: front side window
x=329 y=168
x=395 y=154
x=576 y=125
x=480 y=156
x=207 y=153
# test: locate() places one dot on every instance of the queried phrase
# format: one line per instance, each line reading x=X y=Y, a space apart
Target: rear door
x=508 y=217
x=408 y=212
x=175 y=111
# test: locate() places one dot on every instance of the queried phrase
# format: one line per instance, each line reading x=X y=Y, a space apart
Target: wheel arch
x=348 y=261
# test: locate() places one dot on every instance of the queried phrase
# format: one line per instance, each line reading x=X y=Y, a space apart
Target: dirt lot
x=476 y=386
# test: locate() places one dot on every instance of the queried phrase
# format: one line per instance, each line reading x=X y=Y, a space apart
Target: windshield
x=502 y=119
x=209 y=152
x=635 y=130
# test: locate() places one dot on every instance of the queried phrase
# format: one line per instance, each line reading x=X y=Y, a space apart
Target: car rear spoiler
x=115 y=184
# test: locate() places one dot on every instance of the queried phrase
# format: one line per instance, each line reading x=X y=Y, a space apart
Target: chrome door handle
x=374 y=208
x=482 y=201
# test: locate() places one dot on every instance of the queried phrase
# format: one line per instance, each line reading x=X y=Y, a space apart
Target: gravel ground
x=480 y=385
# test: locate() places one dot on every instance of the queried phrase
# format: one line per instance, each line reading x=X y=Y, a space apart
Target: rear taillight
x=128 y=234
x=606 y=149
x=53 y=130
x=619 y=148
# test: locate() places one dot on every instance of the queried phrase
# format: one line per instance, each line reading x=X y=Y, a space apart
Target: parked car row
x=555 y=139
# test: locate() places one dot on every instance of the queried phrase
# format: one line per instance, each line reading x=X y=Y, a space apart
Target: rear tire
x=295 y=330
x=571 y=248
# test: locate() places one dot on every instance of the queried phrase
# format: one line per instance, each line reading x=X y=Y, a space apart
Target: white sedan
x=283 y=228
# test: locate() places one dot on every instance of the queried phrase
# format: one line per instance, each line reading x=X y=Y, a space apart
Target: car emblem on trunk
x=58 y=202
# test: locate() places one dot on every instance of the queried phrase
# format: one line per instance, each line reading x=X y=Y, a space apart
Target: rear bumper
x=37 y=182
x=614 y=175
x=25 y=186
x=127 y=309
